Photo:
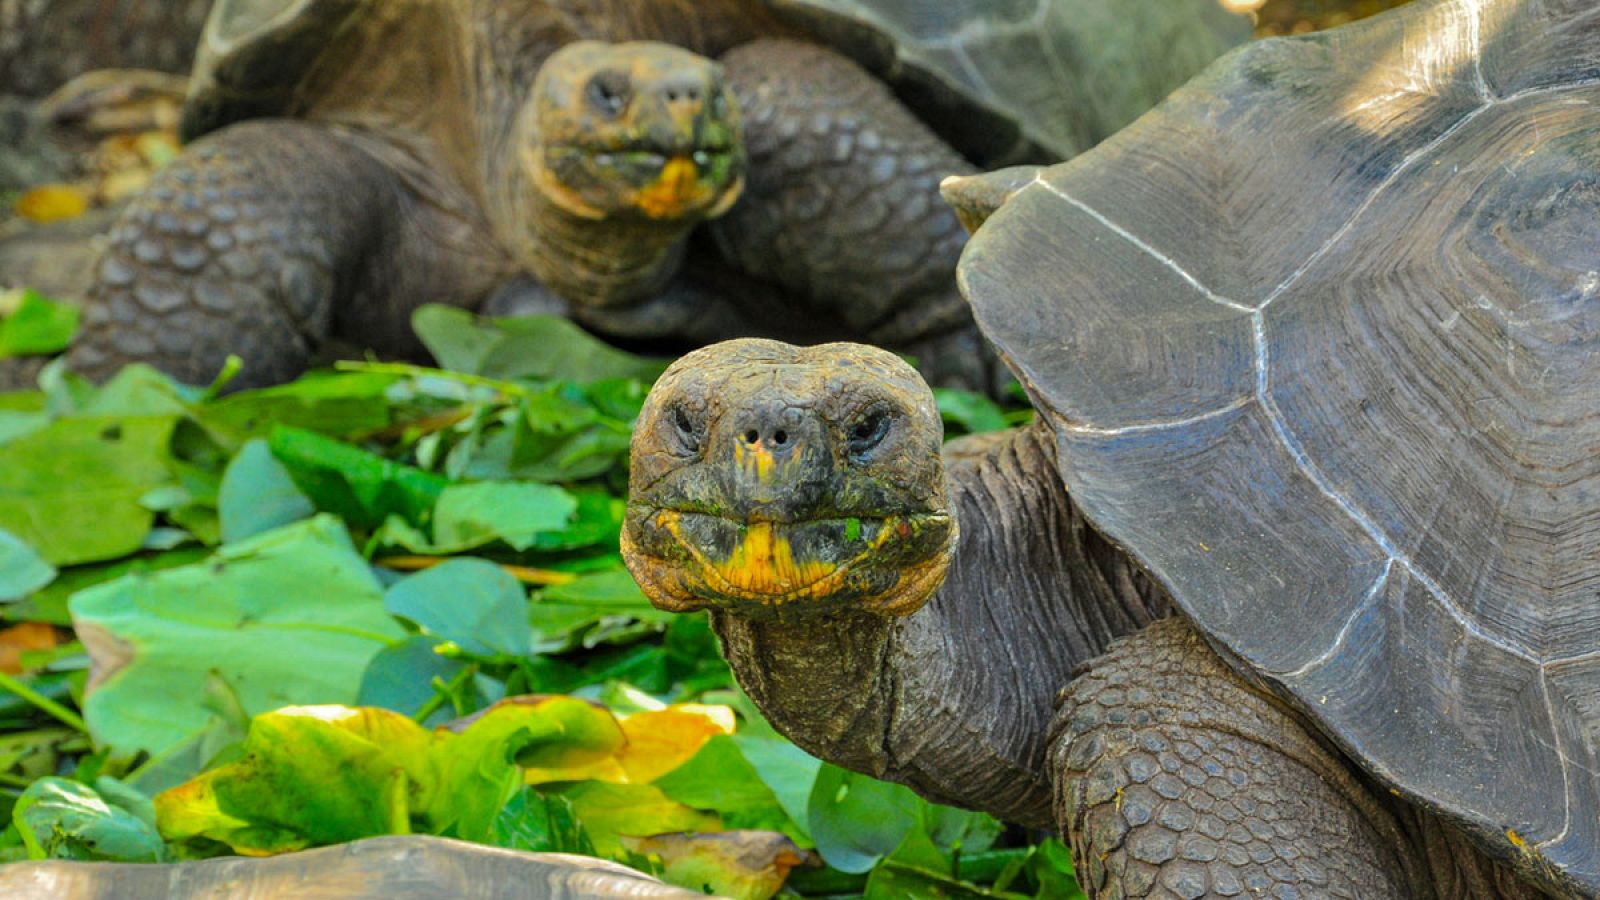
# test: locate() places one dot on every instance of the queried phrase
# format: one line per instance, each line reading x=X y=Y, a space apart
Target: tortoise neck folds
x=619 y=150
x=1027 y=566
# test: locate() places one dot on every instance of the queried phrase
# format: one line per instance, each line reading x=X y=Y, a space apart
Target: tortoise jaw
x=661 y=183
x=686 y=561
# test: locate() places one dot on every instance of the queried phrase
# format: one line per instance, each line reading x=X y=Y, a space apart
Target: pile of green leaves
x=410 y=546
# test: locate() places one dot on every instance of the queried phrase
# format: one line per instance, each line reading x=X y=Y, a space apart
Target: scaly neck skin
x=596 y=263
x=955 y=700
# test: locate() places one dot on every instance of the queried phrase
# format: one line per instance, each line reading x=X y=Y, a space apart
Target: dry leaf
x=53 y=203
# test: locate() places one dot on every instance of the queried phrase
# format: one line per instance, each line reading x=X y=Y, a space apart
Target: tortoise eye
x=685 y=433
x=609 y=92
x=868 y=431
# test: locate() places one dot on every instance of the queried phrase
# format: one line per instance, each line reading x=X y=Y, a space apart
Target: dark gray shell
x=1005 y=80
x=1320 y=338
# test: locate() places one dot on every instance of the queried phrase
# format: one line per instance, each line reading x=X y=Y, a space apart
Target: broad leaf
x=37 y=326
x=528 y=347
x=472 y=602
x=258 y=495
x=295 y=613
x=61 y=819
x=71 y=490
x=21 y=570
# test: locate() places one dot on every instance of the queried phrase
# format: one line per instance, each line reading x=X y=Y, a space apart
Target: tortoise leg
x=842 y=204
x=1175 y=778
x=262 y=240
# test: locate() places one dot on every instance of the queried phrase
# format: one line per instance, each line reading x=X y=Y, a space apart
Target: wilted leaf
x=660 y=741
x=480 y=766
x=258 y=495
x=61 y=819
x=295 y=613
x=308 y=776
x=23 y=638
x=469 y=601
x=744 y=865
x=610 y=811
x=71 y=490
x=21 y=570
x=53 y=202
x=37 y=326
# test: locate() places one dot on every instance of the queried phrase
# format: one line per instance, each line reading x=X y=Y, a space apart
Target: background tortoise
x=1316 y=347
x=422 y=151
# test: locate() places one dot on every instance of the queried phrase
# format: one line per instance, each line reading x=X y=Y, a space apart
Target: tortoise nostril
x=751 y=437
x=780 y=437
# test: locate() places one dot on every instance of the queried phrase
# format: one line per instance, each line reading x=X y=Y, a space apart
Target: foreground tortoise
x=1291 y=588
x=364 y=157
x=381 y=868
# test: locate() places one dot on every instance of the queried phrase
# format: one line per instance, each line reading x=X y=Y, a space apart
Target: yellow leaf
x=663 y=740
x=744 y=865
x=53 y=202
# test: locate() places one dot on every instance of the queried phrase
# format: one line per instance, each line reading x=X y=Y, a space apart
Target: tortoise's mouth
x=689 y=560
x=596 y=180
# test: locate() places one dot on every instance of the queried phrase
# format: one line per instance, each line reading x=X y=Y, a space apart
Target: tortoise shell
x=1320 y=341
x=1003 y=80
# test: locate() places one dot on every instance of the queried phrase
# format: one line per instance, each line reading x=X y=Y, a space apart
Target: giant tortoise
x=362 y=157
x=1291 y=589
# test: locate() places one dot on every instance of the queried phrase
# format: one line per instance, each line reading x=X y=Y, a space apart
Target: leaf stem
x=67 y=716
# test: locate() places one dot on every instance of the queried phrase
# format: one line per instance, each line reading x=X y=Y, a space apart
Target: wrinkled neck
x=598 y=263
x=956 y=699
x=1027 y=544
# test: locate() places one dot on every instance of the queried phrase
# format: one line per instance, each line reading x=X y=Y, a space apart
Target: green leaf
x=540 y=823
x=528 y=347
x=38 y=326
x=296 y=614
x=595 y=608
x=258 y=495
x=50 y=603
x=401 y=677
x=71 y=490
x=361 y=487
x=140 y=390
x=857 y=820
x=789 y=772
x=720 y=779
x=471 y=515
x=21 y=570
x=472 y=602
x=339 y=403
x=1051 y=867
x=968 y=411
x=61 y=819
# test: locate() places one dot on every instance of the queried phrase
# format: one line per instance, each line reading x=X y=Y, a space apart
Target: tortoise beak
x=975 y=197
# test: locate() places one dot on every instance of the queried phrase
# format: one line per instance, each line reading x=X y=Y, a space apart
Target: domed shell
x=1320 y=340
x=1003 y=80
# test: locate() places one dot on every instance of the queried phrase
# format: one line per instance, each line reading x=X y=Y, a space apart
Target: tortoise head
x=779 y=480
x=639 y=130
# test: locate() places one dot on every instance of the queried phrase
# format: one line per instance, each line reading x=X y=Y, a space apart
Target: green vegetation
x=281 y=598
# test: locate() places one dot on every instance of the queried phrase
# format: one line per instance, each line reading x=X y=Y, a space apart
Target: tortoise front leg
x=841 y=207
x=1175 y=778
x=263 y=240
